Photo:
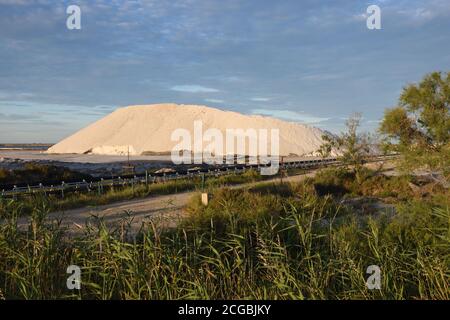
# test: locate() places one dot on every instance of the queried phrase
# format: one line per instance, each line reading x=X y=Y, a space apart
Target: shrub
x=243 y=245
x=336 y=181
x=33 y=174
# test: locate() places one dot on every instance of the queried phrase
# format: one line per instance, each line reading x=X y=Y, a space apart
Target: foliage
x=339 y=181
x=419 y=127
x=245 y=245
x=33 y=174
x=127 y=192
x=351 y=146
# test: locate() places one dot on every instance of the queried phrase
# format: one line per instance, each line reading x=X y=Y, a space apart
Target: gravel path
x=165 y=209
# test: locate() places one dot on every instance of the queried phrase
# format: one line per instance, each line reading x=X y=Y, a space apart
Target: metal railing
x=146 y=178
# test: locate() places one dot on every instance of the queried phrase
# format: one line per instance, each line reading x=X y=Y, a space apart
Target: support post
x=205 y=198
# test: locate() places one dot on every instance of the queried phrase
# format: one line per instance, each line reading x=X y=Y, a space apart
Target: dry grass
x=269 y=242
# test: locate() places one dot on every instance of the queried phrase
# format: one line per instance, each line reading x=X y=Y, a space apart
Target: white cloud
x=320 y=77
x=14 y=2
x=15 y=95
x=360 y=17
x=193 y=89
x=417 y=13
x=214 y=100
x=259 y=99
x=290 y=115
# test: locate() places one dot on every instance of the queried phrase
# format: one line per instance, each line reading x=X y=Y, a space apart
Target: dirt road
x=166 y=209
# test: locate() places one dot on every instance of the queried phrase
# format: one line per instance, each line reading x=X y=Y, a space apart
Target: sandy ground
x=165 y=210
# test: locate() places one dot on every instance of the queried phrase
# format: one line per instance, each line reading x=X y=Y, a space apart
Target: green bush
x=267 y=241
x=74 y=200
x=337 y=181
x=33 y=174
x=243 y=245
x=230 y=210
x=340 y=181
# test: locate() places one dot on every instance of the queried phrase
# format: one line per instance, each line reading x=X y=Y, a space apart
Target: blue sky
x=309 y=61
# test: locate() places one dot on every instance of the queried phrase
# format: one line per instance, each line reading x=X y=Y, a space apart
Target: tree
x=419 y=127
x=351 y=146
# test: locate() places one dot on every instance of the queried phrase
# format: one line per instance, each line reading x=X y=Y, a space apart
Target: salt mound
x=147 y=129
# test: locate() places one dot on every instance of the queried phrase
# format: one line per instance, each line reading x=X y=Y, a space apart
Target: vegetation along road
x=161 y=209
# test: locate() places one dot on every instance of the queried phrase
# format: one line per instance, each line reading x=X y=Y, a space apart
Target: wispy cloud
x=15 y=96
x=290 y=115
x=315 y=56
x=224 y=78
x=373 y=121
x=359 y=17
x=14 y=2
x=320 y=76
x=19 y=117
x=416 y=13
x=215 y=100
x=31 y=121
x=194 y=89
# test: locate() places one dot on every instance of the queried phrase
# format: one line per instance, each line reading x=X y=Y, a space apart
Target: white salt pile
x=147 y=129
